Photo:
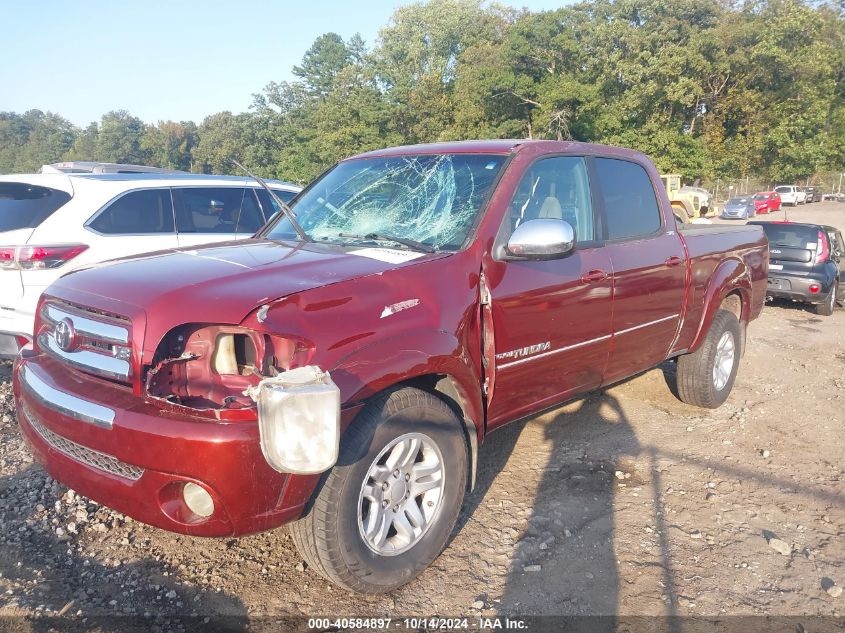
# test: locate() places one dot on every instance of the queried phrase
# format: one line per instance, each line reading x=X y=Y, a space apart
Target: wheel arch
x=730 y=289
x=434 y=362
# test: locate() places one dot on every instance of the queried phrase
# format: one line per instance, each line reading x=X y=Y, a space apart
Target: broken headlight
x=299 y=420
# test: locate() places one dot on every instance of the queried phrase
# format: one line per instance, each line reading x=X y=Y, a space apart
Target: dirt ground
x=627 y=502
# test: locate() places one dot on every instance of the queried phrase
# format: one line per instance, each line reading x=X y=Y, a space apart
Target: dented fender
x=380 y=365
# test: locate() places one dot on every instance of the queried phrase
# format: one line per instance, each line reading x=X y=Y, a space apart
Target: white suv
x=792 y=194
x=53 y=223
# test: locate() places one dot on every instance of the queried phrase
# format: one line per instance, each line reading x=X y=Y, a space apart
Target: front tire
x=370 y=529
x=827 y=307
x=706 y=376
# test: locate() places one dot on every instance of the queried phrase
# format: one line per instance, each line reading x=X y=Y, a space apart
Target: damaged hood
x=222 y=283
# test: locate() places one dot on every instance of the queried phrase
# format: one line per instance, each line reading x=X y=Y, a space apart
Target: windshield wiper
x=291 y=216
x=384 y=237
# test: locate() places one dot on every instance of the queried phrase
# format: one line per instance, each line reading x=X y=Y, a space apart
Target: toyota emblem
x=66 y=335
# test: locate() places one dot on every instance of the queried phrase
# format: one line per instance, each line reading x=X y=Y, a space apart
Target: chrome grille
x=80 y=453
x=99 y=342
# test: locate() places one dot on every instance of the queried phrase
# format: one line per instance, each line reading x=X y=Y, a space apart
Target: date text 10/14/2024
x=416 y=623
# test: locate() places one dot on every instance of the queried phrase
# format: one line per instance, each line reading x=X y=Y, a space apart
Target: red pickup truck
x=340 y=369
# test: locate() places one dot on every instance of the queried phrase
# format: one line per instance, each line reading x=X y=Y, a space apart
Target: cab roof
x=497 y=146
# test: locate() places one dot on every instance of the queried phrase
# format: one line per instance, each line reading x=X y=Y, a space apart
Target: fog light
x=814 y=288
x=198 y=500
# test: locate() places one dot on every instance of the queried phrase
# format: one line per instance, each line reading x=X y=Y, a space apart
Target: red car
x=766 y=201
x=340 y=369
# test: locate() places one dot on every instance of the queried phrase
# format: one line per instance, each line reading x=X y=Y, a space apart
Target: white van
x=51 y=223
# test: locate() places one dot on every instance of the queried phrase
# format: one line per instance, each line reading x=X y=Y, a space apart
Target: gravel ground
x=627 y=502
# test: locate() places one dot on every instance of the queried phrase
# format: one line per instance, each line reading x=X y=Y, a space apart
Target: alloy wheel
x=401 y=494
x=724 y=361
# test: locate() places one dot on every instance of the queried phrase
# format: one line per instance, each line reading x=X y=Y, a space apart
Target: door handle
x=593 y=276
x=674 y=261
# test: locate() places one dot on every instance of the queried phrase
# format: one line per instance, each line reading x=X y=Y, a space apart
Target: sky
x=179 y=60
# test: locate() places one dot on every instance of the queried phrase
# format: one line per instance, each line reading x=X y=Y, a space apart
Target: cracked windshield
x=431 y=201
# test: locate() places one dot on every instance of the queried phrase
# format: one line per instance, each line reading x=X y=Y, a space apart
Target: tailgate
x=790 y=260
x=784 y=254
x=792 y=247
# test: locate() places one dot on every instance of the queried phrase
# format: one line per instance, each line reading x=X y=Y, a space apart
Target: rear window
x=783 y=189
x=24 y=206
x=791 y=235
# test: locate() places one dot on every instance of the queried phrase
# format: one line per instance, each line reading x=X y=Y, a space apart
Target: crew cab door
x=551 y=318
x=649 y=267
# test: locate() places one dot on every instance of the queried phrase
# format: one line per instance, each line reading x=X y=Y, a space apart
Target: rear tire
x=340 y=535
x=827 y=307
x=706 y=376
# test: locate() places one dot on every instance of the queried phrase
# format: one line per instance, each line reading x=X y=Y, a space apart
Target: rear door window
x=208 y=209
x=25 y=206
x=145 y=212
x=630 y=204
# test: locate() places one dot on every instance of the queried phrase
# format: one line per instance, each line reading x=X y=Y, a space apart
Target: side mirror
x=542 y=239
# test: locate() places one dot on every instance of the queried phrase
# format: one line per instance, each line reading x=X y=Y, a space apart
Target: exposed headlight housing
x=299 y=420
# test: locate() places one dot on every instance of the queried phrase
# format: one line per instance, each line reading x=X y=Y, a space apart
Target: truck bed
x=715 y=250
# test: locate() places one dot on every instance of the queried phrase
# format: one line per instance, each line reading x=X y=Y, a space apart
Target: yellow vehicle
x=687 y=201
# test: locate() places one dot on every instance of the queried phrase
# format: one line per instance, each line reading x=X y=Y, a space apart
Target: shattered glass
x=433 y=199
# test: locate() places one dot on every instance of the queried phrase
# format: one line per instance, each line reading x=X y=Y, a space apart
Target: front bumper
x=130 y=455
x=734 y=215
x=796 y=288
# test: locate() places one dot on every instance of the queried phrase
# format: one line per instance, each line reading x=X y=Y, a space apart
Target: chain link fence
x=725 y=189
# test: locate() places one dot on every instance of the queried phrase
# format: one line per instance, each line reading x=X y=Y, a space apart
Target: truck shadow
x=564 y=563
x=50 y=584
x=567 y=557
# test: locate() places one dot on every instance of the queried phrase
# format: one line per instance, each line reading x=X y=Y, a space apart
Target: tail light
x=814 y=288
x=38 y=257
x=822 y=252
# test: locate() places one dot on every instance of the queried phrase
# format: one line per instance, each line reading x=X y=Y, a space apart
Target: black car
x=814 y=194
x=806 y=264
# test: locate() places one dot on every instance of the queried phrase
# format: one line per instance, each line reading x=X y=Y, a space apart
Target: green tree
x=119 y=138
x=708 y=88
x=418 y=58
x=14 y=133
x=224 y=136
x=170 y=144
x=327 y=57
x=50 y=137
x=85 y=145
